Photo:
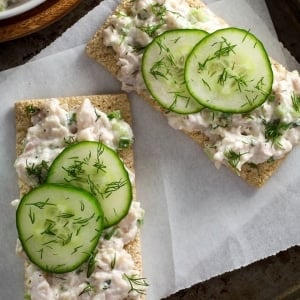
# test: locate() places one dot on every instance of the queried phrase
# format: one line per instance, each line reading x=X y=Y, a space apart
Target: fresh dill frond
x=151 y=29
x=233 y=158
x=89 y=288
x=137 y=284
x=91 y=264
x=274 y=129
x=296 y=102
x=38 y=171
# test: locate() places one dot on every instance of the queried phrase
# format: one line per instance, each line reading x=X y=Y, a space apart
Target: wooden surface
x=17 y=52
x=35 y=19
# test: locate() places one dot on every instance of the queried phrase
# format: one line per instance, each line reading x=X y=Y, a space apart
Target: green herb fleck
x=74 y=171
x=89 y=288
x=31 y=216
x=31 y=110
x=233 y=158
x=296 y=102
x=41 y=204
x=116 y=114
x=109 y=233
x=137 y=284
x=113 y=262
x=124 y=142
x=26 y=296
x=151 y=29
x=91 y=264
x=159 y=69
x=38 y=171
x=274 y=129
x=112 y=187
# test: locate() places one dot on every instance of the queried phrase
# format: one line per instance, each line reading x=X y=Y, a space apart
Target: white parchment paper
x=200 y=221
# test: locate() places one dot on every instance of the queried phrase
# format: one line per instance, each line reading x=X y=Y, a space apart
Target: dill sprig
x=89 y=288
x=38 y=171
x=113 y=186
x=179 y=95
x=159 y=69
x=74 y=171
x=91 y=264
x=113 y=261
x=150 y=29
x=41 y=204
x=274 y=129
x=225 y=49
x=137 y=284
x=159 y=10
x=99 y=164
x=296 y=102
x=109 y=233
x=233 y=158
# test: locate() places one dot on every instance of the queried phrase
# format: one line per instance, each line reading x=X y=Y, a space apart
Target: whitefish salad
x=221 y=83
x=79 y=212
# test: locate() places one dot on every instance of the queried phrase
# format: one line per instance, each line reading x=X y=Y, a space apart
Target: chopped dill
x=38 y=171
x=296 y=102
x=89 y=288
x=116 y=114
x=91 y=264
x=137 y=284
x=31 y=110
x=233 y=158
x=274 y=130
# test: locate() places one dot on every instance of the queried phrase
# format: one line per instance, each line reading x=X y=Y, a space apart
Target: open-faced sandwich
x=78 y=218
x=214 y=82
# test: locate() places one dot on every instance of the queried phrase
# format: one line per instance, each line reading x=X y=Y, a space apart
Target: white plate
x=19 y=8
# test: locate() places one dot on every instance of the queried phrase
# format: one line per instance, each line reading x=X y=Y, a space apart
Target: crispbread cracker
x=106 y=103
x=255 y=175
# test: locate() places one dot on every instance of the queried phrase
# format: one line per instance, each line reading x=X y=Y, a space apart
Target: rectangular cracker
x=106 y=103
x=255 y=175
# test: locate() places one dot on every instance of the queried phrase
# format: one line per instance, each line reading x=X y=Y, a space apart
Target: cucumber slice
x=230 y=71
x=99 y=170
x=59 y=226
x=163 y=69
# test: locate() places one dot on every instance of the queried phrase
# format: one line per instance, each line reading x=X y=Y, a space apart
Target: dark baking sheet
x=276 y=277
x=286 y=18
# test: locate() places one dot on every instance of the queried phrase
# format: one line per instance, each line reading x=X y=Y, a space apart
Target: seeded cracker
x=106 y=103
x=255 y=175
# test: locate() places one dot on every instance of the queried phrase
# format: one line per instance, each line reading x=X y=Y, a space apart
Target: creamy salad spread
x=114 y=275
x=266 y=133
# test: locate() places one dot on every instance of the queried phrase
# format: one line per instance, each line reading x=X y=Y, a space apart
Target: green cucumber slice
x=163 y=69
x=99 y=170
x=59 y=226
x=230 y=71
